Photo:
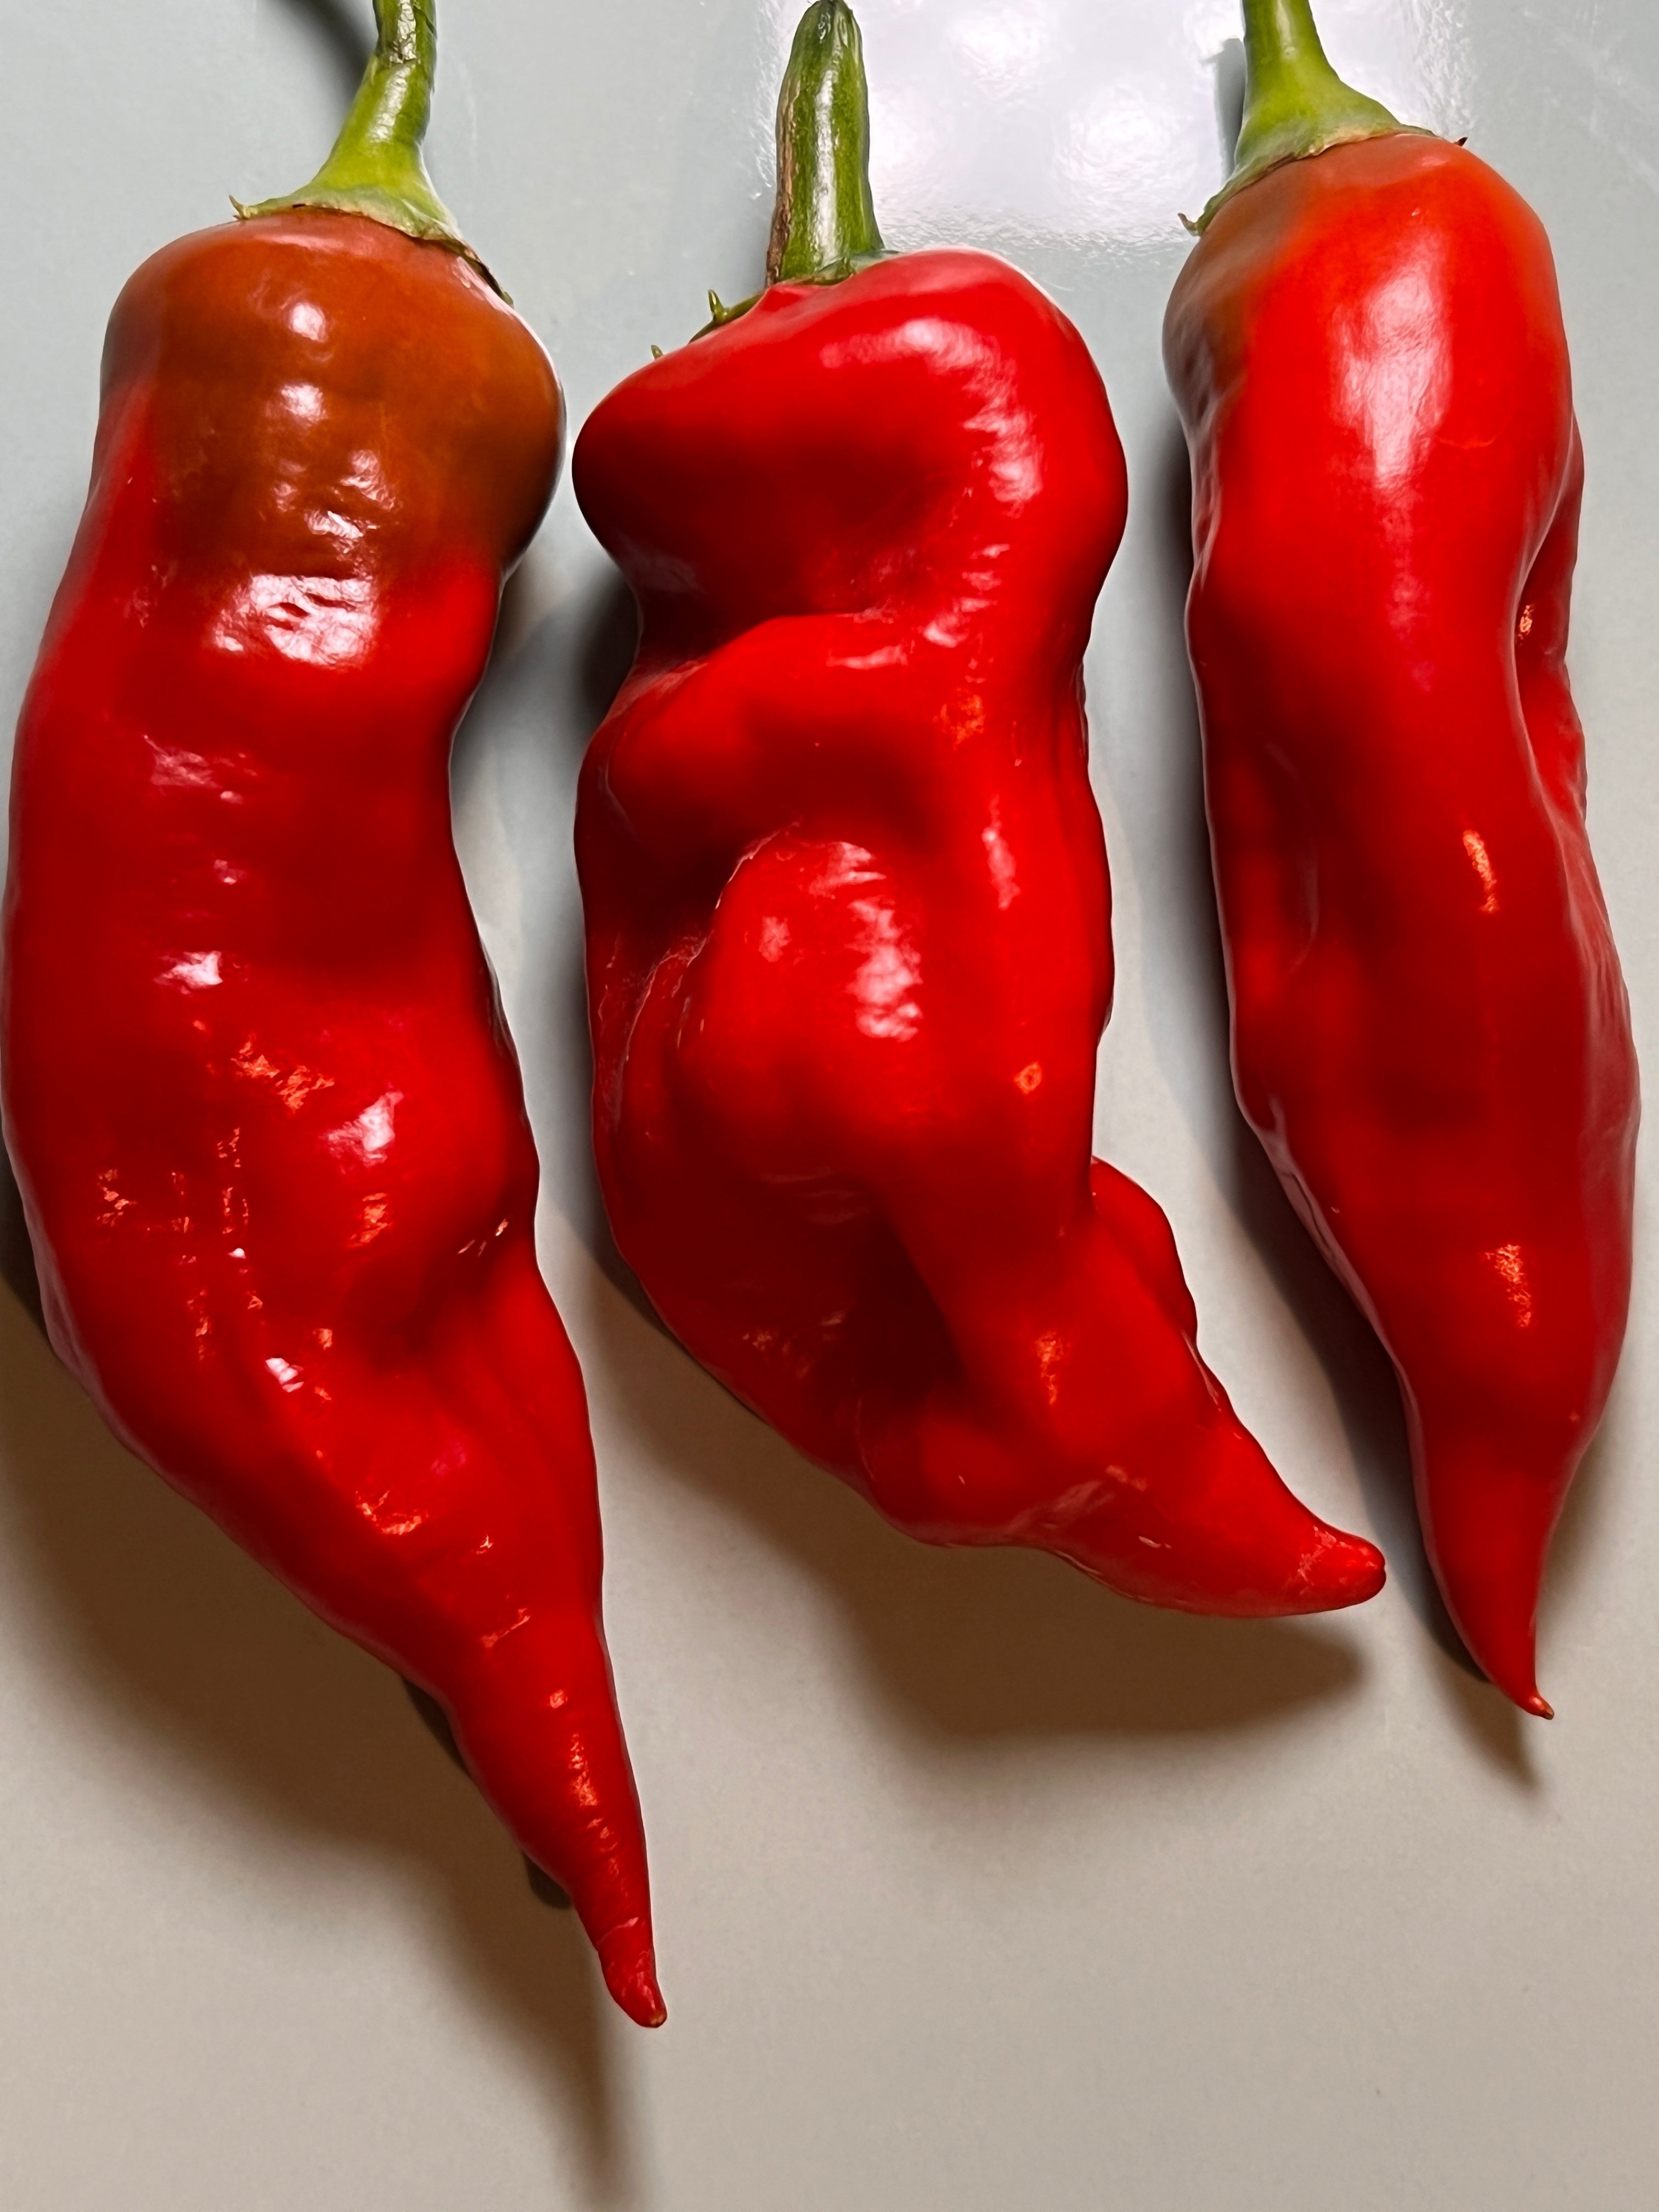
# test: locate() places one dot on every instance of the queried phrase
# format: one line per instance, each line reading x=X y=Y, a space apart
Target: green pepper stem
x=1295 y=103
x=377 y=167
x=823 y=226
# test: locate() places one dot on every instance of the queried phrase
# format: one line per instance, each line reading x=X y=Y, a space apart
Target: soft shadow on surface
x=1228 y=66
x=342 y=30
x=16 y=1255
x=162 y=1618
x=602 y=653
x=972 y=1646
x=609 y=636
x=969 y=1645
x=516 y=623
x=605 y=654
x=562 y=661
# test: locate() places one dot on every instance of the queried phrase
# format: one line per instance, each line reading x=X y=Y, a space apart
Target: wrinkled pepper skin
x=1430 y=1030
x=261 y=1101
x=848 y=937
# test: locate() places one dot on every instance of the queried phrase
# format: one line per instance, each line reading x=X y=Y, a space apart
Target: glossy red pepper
x=263 y=1107
x=1430 y=1030
x=848 y=940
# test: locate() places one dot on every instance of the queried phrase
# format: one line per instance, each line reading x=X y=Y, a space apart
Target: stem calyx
x=823 y=221
x=1295 y=103
x=377 y=167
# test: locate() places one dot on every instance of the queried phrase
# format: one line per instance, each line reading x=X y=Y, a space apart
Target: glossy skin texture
x=1430 y=1030
x=849 y=950
x=261 y=1101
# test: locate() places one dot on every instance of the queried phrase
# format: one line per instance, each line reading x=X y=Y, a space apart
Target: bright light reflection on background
x=1095 y=120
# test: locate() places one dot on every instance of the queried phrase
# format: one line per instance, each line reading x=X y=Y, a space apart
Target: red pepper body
x=848 y=937
x=1430 y=1030
x=262 y=1103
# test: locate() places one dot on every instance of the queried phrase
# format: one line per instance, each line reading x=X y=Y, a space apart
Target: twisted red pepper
x=847 y=905
x=1429 y=1030
x=263 y=1107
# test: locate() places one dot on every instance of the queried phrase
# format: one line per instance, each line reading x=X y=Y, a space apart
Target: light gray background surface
x=978 y=1890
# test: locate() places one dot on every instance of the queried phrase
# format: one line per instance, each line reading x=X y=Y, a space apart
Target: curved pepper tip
x=1518 y=1687
x=629 y=1967
x=1511 y=1670
x=1345 y=1570
x=1517 y=1683
x=1487 y=1518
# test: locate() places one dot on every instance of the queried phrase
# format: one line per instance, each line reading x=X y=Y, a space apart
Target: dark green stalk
x=823 y=223
x=1295 y=103
x=823 y=226
x=377 y=167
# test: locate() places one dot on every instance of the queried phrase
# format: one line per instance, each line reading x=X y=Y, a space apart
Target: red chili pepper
x=1430 y=1030
x=260 y=1098
x=848 y=940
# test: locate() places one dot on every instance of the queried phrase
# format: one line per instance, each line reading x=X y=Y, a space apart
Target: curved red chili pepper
x=846 y=904
x=1429 y=1030
x=262 y=1106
